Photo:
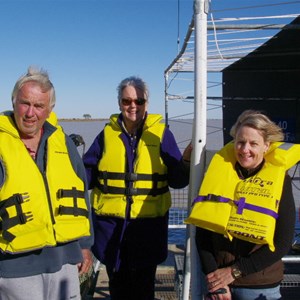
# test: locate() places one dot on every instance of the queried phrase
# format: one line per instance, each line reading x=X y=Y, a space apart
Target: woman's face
x=249 y=147
x=133 y=112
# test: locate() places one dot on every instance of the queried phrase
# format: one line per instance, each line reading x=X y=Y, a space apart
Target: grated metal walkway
x=165 y=286
x=169 y=277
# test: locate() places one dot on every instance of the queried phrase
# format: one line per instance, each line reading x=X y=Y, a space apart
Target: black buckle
x=131 y=177
x=60 y=193
x=130 y=191
x=104 y=175
x=18 y=198
x=212 y=197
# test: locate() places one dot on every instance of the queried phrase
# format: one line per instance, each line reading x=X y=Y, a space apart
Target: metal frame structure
x=228 y=40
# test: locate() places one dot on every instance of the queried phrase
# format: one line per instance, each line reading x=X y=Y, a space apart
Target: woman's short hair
x=136 y=82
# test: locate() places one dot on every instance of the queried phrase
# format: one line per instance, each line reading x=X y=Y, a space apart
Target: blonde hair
x=257 y=120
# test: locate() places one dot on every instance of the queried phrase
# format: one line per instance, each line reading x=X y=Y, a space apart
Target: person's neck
x=246 y=173
x=132 y=128
x=32 y=141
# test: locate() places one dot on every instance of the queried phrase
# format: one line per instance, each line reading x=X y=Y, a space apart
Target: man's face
x=31 y=109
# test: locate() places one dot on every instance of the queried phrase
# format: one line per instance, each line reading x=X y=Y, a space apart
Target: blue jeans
x=256 y=294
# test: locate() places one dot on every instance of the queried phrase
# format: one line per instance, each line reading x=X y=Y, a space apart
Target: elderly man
x=46 y=232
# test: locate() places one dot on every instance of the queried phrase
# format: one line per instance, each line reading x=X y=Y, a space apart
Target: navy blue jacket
x=135 y=242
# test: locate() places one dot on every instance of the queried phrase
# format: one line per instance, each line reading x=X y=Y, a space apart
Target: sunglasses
x=138 y=101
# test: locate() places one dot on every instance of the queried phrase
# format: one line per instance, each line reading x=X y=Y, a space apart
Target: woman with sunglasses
x=130 y=166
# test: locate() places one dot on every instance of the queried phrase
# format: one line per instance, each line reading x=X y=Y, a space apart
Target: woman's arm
x=205 y=250
x=178 y=170
x=91 y=159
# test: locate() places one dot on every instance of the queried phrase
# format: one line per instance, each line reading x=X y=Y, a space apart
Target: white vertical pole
x=166 y=100
x=192 y=264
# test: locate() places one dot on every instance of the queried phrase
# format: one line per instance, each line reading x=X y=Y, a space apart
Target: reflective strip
x=286 y=146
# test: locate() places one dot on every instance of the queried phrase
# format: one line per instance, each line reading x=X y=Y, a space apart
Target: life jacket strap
x=74 y=211
x=130 y=177
x=211 y=197
x=15 y=199
x=19 y=218
x=132 y=191
x=8 y=236
x=241 y=204
x=73 y=193
x=71 y=210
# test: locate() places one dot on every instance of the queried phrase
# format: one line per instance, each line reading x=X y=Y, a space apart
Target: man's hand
x=87 y=262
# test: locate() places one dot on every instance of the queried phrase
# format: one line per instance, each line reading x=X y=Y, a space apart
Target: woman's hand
x=187 y=152
x=220 y=278
x=219 y=296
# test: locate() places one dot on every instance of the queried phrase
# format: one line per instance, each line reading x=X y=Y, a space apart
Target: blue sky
x=89 y=46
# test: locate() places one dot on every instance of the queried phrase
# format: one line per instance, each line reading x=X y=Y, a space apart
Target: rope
x=215 y=35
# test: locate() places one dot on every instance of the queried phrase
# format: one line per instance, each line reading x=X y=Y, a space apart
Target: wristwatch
x=236 y=272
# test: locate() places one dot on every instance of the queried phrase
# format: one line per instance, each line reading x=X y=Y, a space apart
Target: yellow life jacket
x=243 y=208
x=52 y=119
x=38 y=210
x=147 y=186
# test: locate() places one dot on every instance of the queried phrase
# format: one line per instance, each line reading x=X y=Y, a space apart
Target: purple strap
x=242 y=205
